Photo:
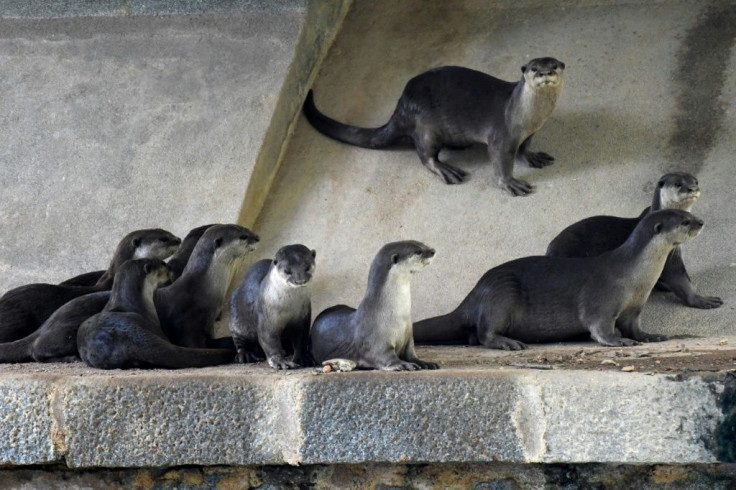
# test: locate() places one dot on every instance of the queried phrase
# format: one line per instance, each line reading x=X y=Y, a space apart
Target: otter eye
x=535 y=69
x=164 y=239
x=287 y=272
x=686 y=222
x=661 y=183
x=418 y=252
x=554 y=67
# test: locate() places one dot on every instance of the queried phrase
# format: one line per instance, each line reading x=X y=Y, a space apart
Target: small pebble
x=327 y=369
x=628 y=369
x=723 y=342
x=609 y=361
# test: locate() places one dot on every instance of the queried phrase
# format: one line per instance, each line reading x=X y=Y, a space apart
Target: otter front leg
x=428 y=149
x=502 y=159
x=270 y=342
x=628 y=324
x=299 y=341
x=410 y=355
x=604 y=332
x=247 y=350
x=676 y=279
x=534 y=160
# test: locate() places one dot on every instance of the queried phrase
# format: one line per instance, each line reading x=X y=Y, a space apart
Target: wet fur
x=378 y=335
x=455 y=107
x=595 y=235
x=127 y=334
x=188 y=308
x=270 y=312
x=552 y=299
x=24 y=309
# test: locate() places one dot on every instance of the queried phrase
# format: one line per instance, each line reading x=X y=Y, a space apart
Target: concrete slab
x=618 y=126
x=482 y=406
x=125 y=115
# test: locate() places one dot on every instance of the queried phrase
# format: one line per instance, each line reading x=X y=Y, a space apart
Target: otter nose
x=699 y=222
x=692 y=188
x=429 y=252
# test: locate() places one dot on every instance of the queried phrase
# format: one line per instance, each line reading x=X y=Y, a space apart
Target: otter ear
x=137 y=242
x=660 y=184
x=275 y=262
x=395 y=258
x=657 y=228
x=314 y=254
x=147 y=268
x=523 y=68
x=218 y=242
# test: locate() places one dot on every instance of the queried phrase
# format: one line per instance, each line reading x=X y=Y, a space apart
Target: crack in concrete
x=699 y=77
x=529 y=420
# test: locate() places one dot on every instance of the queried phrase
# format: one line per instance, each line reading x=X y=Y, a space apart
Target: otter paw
x=704 y=302
x=281 y=363
x=539 y=159
x=517 y=187
x=451 y=175
x=623 y=341
x=505 y=343
x=401 y=366
x=246 y=357
x=427 y=365
x=651 y=338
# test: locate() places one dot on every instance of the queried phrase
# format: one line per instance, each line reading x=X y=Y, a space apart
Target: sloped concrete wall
x=121 y=115
x=647 y=90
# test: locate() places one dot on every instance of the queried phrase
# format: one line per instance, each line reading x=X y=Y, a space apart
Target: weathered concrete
x=617 y=128
x=126 y=119
x=465 y=412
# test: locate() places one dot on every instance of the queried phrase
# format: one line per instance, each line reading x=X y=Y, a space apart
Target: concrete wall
x=647 y=90
x=124 y=115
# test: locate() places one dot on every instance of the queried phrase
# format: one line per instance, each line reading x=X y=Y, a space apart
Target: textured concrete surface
x=648 y=89
x=465 y=412
x=116 y=117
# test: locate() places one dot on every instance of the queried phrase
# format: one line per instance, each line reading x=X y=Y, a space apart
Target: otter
x=127 y=334
x=597 y=234
x=56 y=339
x=176 y=262
x=378 y=335
x=552 y=299
x=24 y=309
x=188 y=308
x=455 y=107
x=271 y=310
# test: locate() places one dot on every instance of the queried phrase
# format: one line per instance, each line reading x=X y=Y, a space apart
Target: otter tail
x=353 y=135
x=445 y=329
x=18 y=350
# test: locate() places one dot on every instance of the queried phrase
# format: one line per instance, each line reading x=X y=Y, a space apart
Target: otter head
x=157 y=272
x=673 y=226
x=408 y=256
x=148 y=244
x=677 y=190
x=153 y=273
x=294 y=265
x=543 y=73
x=228 y=242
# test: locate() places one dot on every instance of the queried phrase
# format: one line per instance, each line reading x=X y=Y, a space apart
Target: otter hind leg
x=498 y=303
x=410 y=355
x=248 y=350
x=628 y=325
x=428 y=148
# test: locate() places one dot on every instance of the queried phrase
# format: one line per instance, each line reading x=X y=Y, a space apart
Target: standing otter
x=272 y=309
x=378 y=335
x=551 y=299
x=188 y=308
x=56 y=339
x=597 y=234
x=176 y=262
x=454 y=106
x=127 y=333
x=24 y=309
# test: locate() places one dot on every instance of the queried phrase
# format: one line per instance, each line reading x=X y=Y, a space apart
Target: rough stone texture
x=414 y=417
x=614 y=133
x=27 y=423
x=115 y=123
x=254 y=415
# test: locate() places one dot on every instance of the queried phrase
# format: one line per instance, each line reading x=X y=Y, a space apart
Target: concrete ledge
x=251 y=415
